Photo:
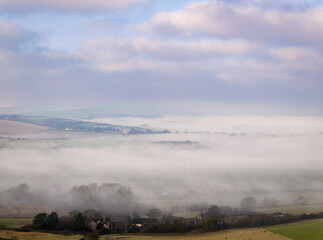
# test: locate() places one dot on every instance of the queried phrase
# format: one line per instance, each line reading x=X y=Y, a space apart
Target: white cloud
x=295 y=53
x=121 y=54
x=234 y=20
x=69 y=5
x=235 y=61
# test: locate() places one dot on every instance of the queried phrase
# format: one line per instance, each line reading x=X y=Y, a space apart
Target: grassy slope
x=307 y=230
x=10 y=127
x=14 y=222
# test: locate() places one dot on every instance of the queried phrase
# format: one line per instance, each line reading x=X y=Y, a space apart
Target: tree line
x=212 y=220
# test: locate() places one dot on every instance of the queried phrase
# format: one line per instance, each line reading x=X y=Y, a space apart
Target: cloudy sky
x=99 y=51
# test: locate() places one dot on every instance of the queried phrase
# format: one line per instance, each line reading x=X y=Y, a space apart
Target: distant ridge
x=63 y=124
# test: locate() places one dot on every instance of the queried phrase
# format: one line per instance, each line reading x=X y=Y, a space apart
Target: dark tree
x=210 y=223
x=248 y=203
x=79 y=224
x=301 y=201
x=270 y=202
x=53 y=220
x=41 y=221
x=154 y=213
x=213 y=210
x=66 y=222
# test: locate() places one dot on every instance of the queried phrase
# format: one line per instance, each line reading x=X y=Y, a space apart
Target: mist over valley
x=202 y=159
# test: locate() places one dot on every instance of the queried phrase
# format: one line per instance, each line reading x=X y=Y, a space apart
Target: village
x=154 y=221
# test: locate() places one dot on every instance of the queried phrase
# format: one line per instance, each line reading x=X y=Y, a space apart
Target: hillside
x=63 y=124
x=12 y=127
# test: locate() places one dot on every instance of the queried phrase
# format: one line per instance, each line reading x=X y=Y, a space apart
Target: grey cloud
x=59 y=77
x=14 y=37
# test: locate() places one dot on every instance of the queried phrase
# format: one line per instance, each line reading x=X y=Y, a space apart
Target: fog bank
x=205 y=159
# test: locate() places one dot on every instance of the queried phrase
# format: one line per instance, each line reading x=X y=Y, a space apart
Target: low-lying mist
x=217 y=160
x=108 y=197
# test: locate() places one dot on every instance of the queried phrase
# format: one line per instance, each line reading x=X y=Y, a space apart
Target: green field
x=307 y=230
x=14 y=222
x=187 y=214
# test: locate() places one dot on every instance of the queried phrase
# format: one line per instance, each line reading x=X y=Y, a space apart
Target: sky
x=266 y=52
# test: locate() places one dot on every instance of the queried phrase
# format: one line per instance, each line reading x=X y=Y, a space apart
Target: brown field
x=11 y=127
x=36 y=236
x=237 y=234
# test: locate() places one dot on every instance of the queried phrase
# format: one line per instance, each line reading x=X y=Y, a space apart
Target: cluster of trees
x=154 y=213
x=211 y=221
x=114 y=197
x=73 y=222
x=270 y=202
x=214 y=223
x=214 y=220
x=300 y=201
x=22 y=196
x=248 y=203
x=272 y=219
x=43 y=221
x=201 y=207
x=176 y=226
x=251 y=203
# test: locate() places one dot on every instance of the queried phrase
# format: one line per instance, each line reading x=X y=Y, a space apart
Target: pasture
x=14 y=222
x=187 y=214
x=306 y=230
